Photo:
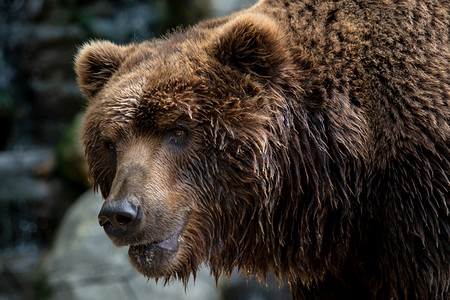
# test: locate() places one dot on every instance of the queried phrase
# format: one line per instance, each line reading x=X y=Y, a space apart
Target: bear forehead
x=153 y=92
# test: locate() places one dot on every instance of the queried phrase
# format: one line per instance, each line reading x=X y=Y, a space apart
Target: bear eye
x=178 y=132
x=111 y=148
x=177 y=136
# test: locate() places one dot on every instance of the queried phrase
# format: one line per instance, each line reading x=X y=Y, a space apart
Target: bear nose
x=120 y=218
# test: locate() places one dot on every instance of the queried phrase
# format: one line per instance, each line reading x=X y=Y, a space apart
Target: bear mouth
x=172 y=242
x=169 y=244
x=150 y=258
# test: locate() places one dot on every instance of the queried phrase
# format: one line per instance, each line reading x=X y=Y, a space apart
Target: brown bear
x=308 y=139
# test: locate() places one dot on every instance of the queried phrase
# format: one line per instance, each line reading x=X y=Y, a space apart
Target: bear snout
x=120 y=218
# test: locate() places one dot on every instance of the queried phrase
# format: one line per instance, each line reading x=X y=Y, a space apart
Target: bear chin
x=151 y=260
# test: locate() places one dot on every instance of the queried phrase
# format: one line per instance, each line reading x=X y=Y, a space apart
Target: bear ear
x=253 y=44
x=95 y=63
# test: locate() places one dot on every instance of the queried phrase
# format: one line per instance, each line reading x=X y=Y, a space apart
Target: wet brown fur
x=316 y=144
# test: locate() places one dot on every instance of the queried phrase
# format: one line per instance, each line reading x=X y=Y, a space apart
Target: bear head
x=188 y=131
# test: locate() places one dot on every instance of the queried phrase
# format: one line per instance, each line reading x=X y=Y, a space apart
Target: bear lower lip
x=169 y=244
x=148 y=257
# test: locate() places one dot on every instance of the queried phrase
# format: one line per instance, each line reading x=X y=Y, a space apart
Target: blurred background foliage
x=42 y=171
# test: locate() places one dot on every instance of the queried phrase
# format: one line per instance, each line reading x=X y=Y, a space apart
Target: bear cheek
x=161 y=207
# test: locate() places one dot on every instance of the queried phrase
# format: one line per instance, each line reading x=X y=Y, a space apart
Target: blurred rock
x=84 y=264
